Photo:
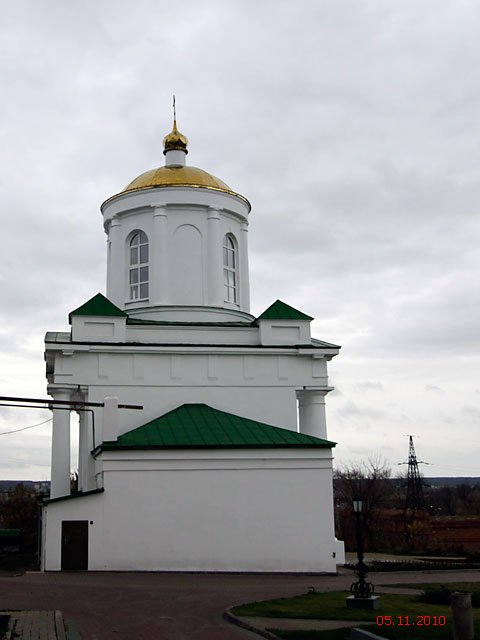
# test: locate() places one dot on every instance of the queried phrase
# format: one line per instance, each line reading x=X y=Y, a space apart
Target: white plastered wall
x=259 y=386
x=216 y=510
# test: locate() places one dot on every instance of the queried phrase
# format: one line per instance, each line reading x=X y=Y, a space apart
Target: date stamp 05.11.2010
x=412 y=621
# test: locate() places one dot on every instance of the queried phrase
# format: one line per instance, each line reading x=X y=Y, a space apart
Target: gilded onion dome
x=175 y=140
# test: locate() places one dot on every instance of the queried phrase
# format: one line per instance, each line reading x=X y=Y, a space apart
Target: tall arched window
x=138 y=271
x=230 y=279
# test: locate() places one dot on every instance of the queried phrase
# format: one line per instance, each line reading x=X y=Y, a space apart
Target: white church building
x=227 y=465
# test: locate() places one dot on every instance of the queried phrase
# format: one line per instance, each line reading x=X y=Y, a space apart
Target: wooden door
x=74 y=545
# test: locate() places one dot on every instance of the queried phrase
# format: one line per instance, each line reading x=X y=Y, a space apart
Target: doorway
x=74 y=545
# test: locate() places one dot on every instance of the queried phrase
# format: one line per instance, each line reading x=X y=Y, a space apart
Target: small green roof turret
x=281 y=311
x=99 y=305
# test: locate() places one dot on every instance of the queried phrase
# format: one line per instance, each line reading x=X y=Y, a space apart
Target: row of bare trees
x=384 y=501
x=370 y=482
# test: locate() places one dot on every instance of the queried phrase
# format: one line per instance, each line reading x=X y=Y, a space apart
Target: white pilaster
x=311 y=412
x=159 y=256
x=60 y=464
x=244 y=279
x=214 y=259
x=116 y=265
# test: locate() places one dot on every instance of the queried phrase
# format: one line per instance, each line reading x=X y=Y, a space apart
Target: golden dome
x=176 y=176
x=185 y=176
x=175 y=140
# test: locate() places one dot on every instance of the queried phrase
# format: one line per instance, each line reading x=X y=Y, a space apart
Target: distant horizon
x=391 y=478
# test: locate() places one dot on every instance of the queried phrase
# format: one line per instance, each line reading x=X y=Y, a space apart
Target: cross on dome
x=175 y=141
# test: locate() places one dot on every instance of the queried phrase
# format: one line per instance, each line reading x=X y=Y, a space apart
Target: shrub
x=441 y=595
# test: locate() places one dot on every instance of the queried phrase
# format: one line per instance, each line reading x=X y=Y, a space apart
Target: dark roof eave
x=142 y=447
x=172 y=323
x=79 y=494
x=199 y=345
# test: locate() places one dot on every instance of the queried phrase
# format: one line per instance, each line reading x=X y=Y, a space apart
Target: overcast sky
x=352 y=126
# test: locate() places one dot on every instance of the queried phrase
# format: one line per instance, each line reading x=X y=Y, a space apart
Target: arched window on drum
x=138 y=276
x=230 y=269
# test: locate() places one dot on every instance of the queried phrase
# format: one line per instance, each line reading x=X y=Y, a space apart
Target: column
x=244 y=283
x=86 y=462
x=159 y=256
x=214 y=260
x=60 y=469
x=311 y=411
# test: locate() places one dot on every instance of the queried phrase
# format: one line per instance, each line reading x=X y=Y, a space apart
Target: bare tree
x=369 y=481
x=21 y=511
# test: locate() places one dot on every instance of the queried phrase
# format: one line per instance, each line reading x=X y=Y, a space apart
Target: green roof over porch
x=201 y=426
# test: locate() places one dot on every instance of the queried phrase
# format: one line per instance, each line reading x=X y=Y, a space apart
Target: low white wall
x=85 y=508
x=232 y=512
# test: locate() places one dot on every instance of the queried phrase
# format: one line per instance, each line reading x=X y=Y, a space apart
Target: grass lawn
x=402 y=609
x=331 y=606
x=471 y=587
x=425 y=633
x=334 y=634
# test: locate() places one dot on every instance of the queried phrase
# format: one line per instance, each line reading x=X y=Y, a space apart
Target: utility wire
x=5 y=433
x=447 y=466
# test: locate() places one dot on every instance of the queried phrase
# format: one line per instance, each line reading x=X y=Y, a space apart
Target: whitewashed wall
x=257 y=385
x=224 y=510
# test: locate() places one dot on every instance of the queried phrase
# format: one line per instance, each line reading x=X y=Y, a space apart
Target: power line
x=447 y=466
x=5 y=433
x=66 y=404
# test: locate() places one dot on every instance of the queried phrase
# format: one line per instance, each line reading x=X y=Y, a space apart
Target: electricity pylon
x=415 y=500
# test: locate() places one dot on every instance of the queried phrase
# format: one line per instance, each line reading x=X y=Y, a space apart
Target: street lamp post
x=361 y=588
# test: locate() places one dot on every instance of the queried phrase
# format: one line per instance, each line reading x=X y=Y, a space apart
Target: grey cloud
x=370 y=385
x=434 y=388
x=351 y=409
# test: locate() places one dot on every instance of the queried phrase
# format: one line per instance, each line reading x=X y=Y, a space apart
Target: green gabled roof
x=281 y=311
x=99 y=305
x=201 y=426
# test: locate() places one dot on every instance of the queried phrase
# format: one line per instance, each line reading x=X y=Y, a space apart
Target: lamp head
x=357 y=504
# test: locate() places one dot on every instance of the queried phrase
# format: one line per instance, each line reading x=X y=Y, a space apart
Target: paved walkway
x=35 y=625
x=144 y=606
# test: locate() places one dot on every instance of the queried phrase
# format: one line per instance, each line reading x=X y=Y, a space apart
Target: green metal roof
x=99 y=305
x=201 y=426
x=319 y=344
x=281 y=311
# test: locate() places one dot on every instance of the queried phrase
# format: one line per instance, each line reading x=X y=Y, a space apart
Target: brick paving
x=35 y=625
x=145 y=606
